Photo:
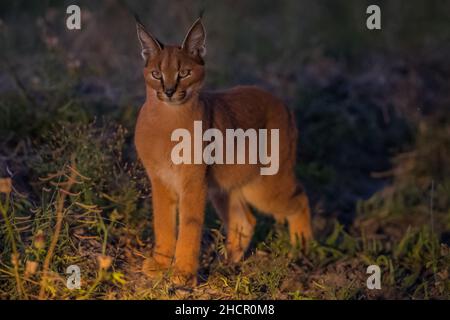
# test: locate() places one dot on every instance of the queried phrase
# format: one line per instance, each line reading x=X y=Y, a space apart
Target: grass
x=83 y=226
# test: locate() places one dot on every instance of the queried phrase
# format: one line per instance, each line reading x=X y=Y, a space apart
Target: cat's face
x=174 y=73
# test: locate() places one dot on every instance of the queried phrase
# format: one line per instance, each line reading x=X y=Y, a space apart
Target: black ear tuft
x=202 y=12
x=136 y=17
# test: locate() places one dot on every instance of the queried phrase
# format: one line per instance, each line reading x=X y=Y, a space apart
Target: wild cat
x=174 y=77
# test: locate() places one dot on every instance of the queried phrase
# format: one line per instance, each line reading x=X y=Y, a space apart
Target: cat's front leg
x=191 y=211
x=164 y=225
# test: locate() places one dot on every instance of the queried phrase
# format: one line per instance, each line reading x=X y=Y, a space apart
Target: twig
x=431 y=207
x=432 y=230
x=59 y=218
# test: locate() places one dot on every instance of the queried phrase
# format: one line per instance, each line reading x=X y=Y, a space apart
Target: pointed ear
x=150 y=45
x=194 y=42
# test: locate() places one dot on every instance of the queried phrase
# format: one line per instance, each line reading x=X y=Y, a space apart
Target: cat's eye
x=184 y=73
x=156 y=75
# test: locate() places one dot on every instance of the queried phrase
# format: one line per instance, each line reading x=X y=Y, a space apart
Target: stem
x=15 y=255
x=59 y=219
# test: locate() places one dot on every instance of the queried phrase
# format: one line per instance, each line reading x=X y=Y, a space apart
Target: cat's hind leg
x=238 y=220
x=284 y=198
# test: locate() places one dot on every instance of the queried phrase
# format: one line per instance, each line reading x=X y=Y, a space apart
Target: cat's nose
x=169 y=92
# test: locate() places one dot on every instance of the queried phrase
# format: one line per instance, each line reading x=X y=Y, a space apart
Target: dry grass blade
x=6 y=188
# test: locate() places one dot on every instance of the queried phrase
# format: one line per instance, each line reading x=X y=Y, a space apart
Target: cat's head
x=175 y=73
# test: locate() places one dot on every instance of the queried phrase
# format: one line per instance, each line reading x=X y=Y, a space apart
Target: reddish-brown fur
x=232 y=188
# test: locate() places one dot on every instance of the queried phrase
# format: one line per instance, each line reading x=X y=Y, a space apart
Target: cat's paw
x=183 y=279
x=234 y=255
x=153 y=268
